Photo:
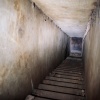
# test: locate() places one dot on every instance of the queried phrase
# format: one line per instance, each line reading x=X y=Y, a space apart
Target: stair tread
x=75 y=70
x=61 y=89
x=63 y=80
x=66 y=77
x=69 y=69
x=39 y=98
x=68 y=72
x=55 y=95
x=56 y=83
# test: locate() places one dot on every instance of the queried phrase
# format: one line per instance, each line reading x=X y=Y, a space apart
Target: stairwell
x=36 y=36
x=66 y=82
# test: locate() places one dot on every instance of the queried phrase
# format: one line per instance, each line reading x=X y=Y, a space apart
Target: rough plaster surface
x=71 y=16
x=30 y=45
x=92 y=58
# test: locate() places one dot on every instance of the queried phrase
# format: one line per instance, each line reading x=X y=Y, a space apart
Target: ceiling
x=71 y=16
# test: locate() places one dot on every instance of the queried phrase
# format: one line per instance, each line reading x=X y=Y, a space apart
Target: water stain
x=21 y=32
x=17 y=5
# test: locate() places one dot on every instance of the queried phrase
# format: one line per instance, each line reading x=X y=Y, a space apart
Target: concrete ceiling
x=71 y=16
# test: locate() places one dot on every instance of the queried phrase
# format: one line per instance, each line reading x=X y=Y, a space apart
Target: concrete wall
x=30 y=46
x=92 y=58
x=70 y=15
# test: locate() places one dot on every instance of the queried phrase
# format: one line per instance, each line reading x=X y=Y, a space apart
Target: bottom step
x=64 y=90
x=39 y=98
x=57 y=96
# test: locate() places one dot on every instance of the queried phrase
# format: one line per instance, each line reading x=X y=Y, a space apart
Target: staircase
x=66 y=82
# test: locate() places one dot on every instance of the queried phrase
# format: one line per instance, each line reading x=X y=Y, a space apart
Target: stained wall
x=31 y=45
x=92 y=57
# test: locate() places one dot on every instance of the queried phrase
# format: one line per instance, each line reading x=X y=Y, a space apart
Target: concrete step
x=67 y=77
x=63 y=84
x=56 y=95
x=63 y=80
x=67 y=74
x=40 y=98
x=59 y=89
x=71 y=72
x=68 y=69
x=64 y=70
